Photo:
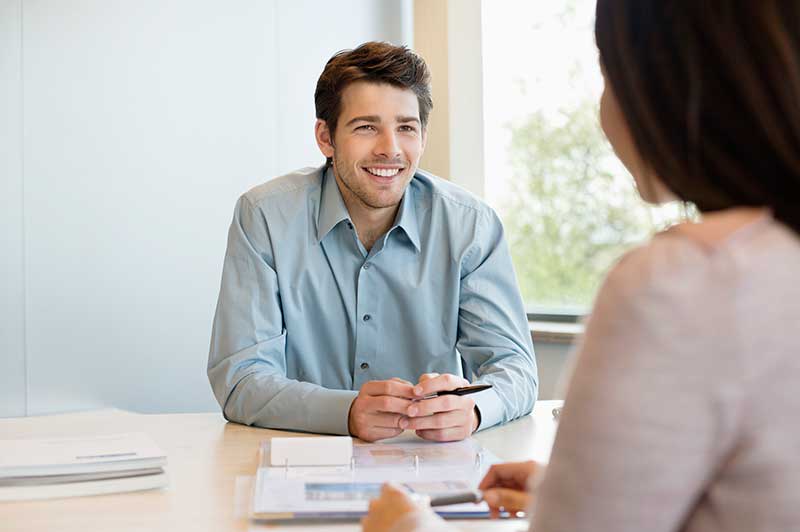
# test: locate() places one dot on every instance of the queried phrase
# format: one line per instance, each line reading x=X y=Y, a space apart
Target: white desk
x=205 y=457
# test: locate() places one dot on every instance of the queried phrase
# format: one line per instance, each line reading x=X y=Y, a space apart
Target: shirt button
x=367 y=266
x=349 y=225
x=367 y=317
x=364 y=365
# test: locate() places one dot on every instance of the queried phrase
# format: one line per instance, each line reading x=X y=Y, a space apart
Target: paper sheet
x=423 y=468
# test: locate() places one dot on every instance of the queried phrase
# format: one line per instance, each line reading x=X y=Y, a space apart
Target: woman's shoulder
x=722 y=251
x=687 y=284
x=666 y=260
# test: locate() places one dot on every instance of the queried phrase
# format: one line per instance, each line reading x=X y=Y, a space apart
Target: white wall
x=127 y=131
x=12 y=349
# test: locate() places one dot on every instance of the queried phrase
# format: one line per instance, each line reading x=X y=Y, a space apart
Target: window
x=569 y=207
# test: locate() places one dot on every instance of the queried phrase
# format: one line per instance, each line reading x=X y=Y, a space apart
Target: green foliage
x=573 y=211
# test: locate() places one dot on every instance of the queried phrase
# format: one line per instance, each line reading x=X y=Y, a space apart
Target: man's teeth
x=383 y=172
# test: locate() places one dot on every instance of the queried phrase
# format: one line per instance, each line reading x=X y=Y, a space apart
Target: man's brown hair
x=711 y=93
x=375 y=62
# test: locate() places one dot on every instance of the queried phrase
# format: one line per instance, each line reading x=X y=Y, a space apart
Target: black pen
x=465 y=390
x=462 y=497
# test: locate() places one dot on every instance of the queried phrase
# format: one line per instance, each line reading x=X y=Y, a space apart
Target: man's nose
x=388 y=145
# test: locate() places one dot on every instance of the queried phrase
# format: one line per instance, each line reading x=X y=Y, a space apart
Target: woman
x=682 y=409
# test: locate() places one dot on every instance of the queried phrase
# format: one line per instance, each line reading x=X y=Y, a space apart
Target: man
x=351 y=291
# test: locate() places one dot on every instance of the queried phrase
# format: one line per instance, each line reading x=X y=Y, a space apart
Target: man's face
x=377 y=143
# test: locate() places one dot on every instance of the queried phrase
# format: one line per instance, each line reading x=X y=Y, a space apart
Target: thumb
x=510 y=500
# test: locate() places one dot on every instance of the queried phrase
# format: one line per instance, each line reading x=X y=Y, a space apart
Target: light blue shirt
x=306 y=315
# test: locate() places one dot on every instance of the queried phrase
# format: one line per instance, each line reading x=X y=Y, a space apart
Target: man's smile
x=383 y=171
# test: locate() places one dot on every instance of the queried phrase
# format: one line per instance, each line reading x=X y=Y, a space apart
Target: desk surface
x=207 y=458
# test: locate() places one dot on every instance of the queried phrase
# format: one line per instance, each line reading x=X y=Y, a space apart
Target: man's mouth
x=382 y=171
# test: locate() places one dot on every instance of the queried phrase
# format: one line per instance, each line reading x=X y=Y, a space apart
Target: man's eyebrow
x=369 y=118
x=374 y=119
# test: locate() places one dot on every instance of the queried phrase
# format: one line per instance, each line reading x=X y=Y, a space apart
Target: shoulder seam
x=480 y=209
x=277 y=192
x=248 y=201
x=482 y=215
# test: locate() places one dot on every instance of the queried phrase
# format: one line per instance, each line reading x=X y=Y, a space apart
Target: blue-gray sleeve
x=494 y=338
x=247 y=358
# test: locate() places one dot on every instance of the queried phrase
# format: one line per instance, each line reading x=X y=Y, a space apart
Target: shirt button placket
x=365 y=329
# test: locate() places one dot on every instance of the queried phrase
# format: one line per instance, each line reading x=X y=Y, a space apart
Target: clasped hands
x=384 y=409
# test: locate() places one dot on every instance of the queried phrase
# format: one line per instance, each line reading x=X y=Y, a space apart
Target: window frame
x=448 y=34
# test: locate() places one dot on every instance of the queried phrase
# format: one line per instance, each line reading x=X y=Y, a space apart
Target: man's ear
x=324 y=138
x=424 y=139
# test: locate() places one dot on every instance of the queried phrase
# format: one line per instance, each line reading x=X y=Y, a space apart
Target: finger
x=444 y=420
x=387 y=421
x=490 y=479
x=392 y=489
x=396 y=496
x=446 y=381
x=511 y=500
x=427 y=376
x=442 y=435
x=391 y=387
x=375 y=434
x=445 y=403
x=387 y=403
x=398 y=379
x=508 y=475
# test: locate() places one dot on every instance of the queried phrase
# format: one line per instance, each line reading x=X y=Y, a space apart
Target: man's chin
x=383 y=199
x=375 y=203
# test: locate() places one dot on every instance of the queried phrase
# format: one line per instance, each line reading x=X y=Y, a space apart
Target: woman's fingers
x=506 y=499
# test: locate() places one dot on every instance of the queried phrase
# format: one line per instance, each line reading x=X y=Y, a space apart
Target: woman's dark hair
x=376 y=62
x=711 y=93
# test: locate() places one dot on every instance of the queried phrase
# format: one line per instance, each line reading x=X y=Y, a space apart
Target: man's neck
x=370 y=222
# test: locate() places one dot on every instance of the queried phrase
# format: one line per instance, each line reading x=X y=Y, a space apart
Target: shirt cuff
x=333 y=411
x=491 y=408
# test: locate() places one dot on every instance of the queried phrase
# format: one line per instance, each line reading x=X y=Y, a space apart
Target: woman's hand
x=505 y=486
x=393 y=504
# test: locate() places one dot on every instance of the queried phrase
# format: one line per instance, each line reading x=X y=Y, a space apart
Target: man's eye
x=366 y=128
x=411 y=129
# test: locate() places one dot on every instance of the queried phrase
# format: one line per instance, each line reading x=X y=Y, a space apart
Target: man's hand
x=378 y=412
x=505 y=486
x=445 y=418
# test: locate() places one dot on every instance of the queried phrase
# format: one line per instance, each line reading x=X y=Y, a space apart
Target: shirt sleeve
x=648 y=415
x=247 y=358
x=494 y=338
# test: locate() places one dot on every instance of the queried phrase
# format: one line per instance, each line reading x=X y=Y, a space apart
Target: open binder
x=343 y=492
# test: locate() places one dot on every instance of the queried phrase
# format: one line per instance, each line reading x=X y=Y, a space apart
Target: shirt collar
x=333 y=211
x=407 y=216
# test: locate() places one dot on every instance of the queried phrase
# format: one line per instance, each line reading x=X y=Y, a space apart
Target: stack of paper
x=68 y=467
